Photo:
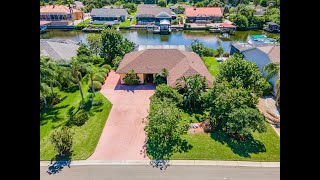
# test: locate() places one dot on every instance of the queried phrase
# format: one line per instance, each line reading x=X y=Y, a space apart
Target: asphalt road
x=140 y=172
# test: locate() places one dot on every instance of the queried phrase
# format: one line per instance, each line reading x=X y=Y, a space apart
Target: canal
x=141 y=37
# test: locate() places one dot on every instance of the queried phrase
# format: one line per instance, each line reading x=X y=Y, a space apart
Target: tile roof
x=58 y=49
x=153 y=11
x=178 y=62
x=207 y=11
x=56 y=9
x=106 y=12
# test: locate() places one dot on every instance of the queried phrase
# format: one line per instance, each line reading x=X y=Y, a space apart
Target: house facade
x=60 y=14
x=203 y=15
x=108 y=14
x=260 y=55
x=153 y=15
x=147 y=63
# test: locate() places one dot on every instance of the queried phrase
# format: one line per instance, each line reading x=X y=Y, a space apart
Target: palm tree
x=91 y=71
x=273 y=69
x=47 y=76
x=75 y=67
x=44 y=89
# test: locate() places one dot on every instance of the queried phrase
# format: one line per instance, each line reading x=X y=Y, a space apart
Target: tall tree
x=273 y=69
x=75 y=67
x=94 y=41
x=256 y=3
x=197 y=47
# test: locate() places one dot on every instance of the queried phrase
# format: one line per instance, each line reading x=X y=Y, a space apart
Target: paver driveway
x=123 y=135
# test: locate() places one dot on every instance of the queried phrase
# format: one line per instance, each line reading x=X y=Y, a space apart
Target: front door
x=149 y=78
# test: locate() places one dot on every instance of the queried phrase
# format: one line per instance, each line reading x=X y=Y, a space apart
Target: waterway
x=141 y=37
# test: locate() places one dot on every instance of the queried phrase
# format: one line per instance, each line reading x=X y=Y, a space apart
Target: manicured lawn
x=126 y=23
x=212 y=65
x=218 y=146
x=85 y=137
x=134 y=20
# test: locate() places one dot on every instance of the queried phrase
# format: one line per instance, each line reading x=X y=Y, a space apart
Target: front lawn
x=134 y=20
x=85 y=137
x=212 y=65
x=218 y=146
x=125 y=24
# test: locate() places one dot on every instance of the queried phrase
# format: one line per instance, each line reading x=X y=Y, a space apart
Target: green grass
x=133 y=14
x=134 y=21
x=86 y=136
x=212 y=65
x=219 y=146
x=125 y=24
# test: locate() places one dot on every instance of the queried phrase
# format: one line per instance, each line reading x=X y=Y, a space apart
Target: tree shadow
x=242 y=148
x=51 y=113
x=135 y=87
x=71 y=89
x=59 y=164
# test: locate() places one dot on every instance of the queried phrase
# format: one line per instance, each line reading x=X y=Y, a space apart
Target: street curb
x=275 y=130
x=171 y=162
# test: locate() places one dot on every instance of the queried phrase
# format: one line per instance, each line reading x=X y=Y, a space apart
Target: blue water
x=258 y=36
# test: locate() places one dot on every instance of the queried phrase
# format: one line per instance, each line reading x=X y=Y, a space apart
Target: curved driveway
x=123 y=135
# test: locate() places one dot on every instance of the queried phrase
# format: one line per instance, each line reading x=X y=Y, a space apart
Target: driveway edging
x=172 y=163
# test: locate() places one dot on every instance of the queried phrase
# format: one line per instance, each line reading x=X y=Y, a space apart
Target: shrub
x=207 y=126
x=106 y=66
x=62 y=141
x=80 y=118
x=264 y=86
x=175 y=22
x=99 y=78
x=53 y=99
x=165 y=91
x=97 y=85
x=225 y=54
x=209 y=52
x=131 y=78
x=97 y=103
x=116 y=61
x=103 y=74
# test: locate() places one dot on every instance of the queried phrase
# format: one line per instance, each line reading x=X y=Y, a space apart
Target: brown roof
x=178 y=62
x=207 y=11
x=153 y=11
x=272 y=51
x=56 y=9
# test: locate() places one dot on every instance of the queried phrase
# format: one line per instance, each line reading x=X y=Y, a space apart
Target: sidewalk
x=172 y=163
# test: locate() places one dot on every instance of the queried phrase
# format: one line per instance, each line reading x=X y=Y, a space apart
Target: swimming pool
x=258 y=36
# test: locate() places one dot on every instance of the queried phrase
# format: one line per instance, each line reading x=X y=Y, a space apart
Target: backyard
x=212 y=65
x=125 y=24
x=85 y=137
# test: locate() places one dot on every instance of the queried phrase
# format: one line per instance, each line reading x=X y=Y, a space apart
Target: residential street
x=141 y=172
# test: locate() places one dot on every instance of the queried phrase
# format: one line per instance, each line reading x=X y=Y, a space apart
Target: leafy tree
x=116 y=61
x=256 y=3
x=164 y=129
x=243 y=121
x=161 y=78
x=241 y=21
x=83 y=50
x=246 y=71
x=164 y=91
x=132 y=7
x=162 y=3
x=94 y=41
x=180 y=9
x=257 y=21
x=215 y=3
x=131 y=78
x=113 y=44
x=264 y=3
x=62 y=140
x=191 y=88
x=199 y=4
x=197 y=47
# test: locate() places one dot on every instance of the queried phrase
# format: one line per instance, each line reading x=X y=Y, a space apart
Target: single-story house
x=272 y=27
x=203 y=14
x=174 y=8
x=153 y=15
x=147 y=5
x=106 y=14
x=147 y=63
x=78 y=4
x=60 y=14
x=261 y=55
x=60 y=50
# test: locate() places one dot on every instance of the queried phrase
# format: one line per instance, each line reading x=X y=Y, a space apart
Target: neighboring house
x=203 y=14
x=78 y=4
x=174 y=8
x=259 y=10
x=261 y=55
x=149 y=62
x=59 y=14
x=106 y=14
x=153 y=15
x=272 y=27
x=147 y=5
x=59 y=50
